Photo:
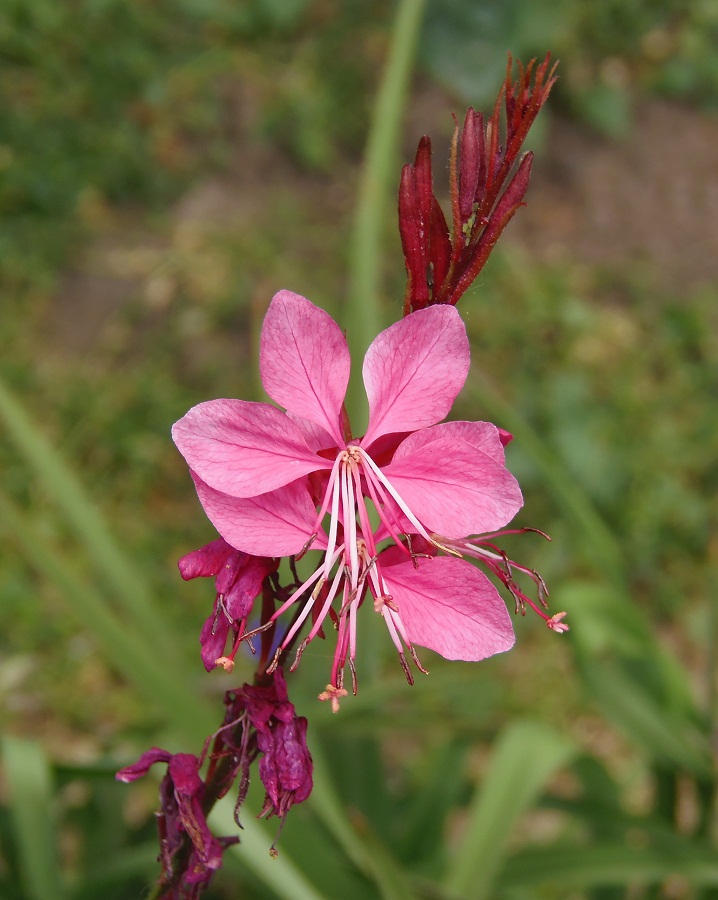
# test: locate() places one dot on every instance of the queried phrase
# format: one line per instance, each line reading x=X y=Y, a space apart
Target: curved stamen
x=333 y=523
x=350 y=522
x=386 y=513
x=379 y=476
x=327 y=493
x=309 y=605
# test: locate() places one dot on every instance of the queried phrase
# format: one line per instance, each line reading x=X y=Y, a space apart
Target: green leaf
x=525 y=757
x=362 y=846
x=31 y=800
x=608 y=864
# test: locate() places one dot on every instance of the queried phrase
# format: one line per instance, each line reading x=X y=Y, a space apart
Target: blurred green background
x=165 y=167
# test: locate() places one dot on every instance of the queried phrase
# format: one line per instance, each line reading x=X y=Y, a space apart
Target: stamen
x=386 y=514
x=367 y=531
x=376 y=473
x=331 y=594
x=350 y=522
x=407 y=670
x=300 y=650
x=333 y=525
x=275 y=662
x=334 y=694
x=416 y=660
x=298 y=556
x=328 y=493
x=355 y=685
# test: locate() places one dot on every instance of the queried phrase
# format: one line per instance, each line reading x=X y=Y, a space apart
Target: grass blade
x=609 y=864
x=31 y=800
x=525 y=757
x=66 y=490
x=364 y=849
x=280 y=874
x=129 y=654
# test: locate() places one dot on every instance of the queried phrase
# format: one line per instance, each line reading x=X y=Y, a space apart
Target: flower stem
x=362 y=316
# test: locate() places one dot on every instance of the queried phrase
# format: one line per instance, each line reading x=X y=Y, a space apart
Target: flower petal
x=206 y=562
x=304 y=361
x=414 y=370
x=317 y=438
x=481 y=435
x=449 y=606
x=142 y=766
x=453 y=488
x=278 y=523
x=242 y=448
x=213 y=639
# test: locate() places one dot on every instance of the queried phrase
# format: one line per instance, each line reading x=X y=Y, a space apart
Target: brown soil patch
x=651 y=200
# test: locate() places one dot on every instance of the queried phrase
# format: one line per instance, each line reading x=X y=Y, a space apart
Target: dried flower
x=189 y=852
x=238 y=580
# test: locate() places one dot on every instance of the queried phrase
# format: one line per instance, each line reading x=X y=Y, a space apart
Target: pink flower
x=268 y=479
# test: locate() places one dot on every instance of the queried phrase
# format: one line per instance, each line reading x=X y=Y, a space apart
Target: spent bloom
x=268 y=726
x=275 y=483
x=238 y=579
x=189 y=852
x=259 y=721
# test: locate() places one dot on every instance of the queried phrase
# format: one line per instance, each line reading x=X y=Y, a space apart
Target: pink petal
x=453 y=488
x=207 y=561
x=317 y=438
x=243 y=448
x=278 y=523
x=213 y=639
x=482 y=435
x=142 y=766
x=304 y=361
x=414 y=370
x=449 y=606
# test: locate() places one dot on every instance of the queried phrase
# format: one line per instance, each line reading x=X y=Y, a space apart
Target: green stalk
x=363 y=315
x=29 y=783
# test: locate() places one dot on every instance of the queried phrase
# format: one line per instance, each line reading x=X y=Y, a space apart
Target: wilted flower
x=267 y=479
x=189 y=852
x=238 y=580
x=268 y=725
